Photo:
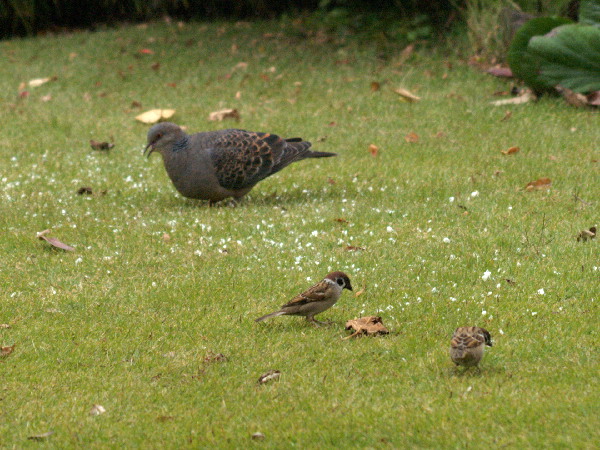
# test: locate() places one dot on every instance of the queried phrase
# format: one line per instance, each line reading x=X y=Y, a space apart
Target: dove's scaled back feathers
x=215 y=165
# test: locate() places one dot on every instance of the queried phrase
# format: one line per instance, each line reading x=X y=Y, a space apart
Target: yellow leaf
x=155 y=115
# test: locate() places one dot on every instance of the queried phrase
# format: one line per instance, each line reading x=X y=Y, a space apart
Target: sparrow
x=315 y=299
x=219 y=164
x=468 y=344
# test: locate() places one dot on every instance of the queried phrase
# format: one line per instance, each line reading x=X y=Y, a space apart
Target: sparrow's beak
x=349 y=286
x=151 y=147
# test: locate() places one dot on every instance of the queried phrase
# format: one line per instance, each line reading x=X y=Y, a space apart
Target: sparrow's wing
x=243 y=158
x=467 y=337
x=318 y=292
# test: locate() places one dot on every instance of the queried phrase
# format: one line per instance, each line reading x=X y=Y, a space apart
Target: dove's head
x=163 y=136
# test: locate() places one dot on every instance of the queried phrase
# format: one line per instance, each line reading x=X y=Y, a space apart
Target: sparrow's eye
x=340 y=281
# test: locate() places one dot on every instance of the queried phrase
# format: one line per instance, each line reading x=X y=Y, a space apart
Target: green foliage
x=589 y=12
x=569 y=57
x=523 y=63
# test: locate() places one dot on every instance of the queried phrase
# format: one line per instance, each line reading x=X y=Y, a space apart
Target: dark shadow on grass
x=474 y=372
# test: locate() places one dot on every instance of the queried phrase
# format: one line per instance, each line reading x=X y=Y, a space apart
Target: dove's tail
x=319 y=154
x=268 y=316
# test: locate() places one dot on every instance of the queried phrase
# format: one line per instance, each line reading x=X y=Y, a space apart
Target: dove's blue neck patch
x=180 y=145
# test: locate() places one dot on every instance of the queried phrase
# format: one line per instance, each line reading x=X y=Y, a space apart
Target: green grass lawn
x=132 y=320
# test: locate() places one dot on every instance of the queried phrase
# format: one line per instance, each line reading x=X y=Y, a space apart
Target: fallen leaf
x=258 y=436
x=5 y=351
x=224 y=114
x=46 y=98
x=440 y=134
x=352 y=248
x=238 y=95
x=332 y=124
x=374 y=150
x=37 y=82
x=411 y=137
x=593 y=98
x=407 y=95
x=241 y=65
x=405 y=54
x=269 y=376
x=146 y=51
x=53 y=241
x=23 y=94
x=97 y=410
x=40 y=437
x=370 y=325
x=501 y=72
x=510 y=151
x=375 y=86
x=507 y=115
x=97 y=145
x=4 y=325
x=84 y=190
x=135 y=104
x=155 y=66
x=173 y=85
x=573 y=98
x=584 y=235
x=361 y=291
x=214 y=357
x=166 y=237
x=525 y=96
x=155 y=115
x=540 y=183
x=341 y=220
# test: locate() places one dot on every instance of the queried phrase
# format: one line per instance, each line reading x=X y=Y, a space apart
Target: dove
x=216 y=165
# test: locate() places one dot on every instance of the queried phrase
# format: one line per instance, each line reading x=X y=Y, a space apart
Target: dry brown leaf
x=507 y=115
x=258 y=436
x=407 y=95
x=412 y=137
x=374 y=150
x=97 y=145
x=97 y=410
x=352 y=248
x=370 y=325
x=37 y=82
x=155 y=66
x=375 y=86
x=212 y=357
x=510 y=151
x=155 y=115
x=525 y=96
x=340 y=220
x=84 y=190
x=361 y=291
x=573 y=98
x=269 y=376
x=5 y=351
x=53 y=241
x=540 y=183
x=501 y=72
x=40 y=437
x=135 y=104
x=593 y=98
x=166 y=237
x=224 y=114
x=584 y=235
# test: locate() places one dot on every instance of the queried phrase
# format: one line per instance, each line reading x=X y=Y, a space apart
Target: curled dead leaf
x=374 y=150
x=510 y=151
x=53 y=241
x=412 y=137
x=540 y=183
x=155 y=115
x=97 y=145
x=584 y=235
x=406 y=95
x=5 y=351
x=224 y=114
x=370 y=325
x=269 y=376
x=375 y=86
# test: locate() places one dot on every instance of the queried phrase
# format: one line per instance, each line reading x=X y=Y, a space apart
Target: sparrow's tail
x=268 y=316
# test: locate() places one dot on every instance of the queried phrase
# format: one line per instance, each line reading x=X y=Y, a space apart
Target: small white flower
x=389 y=229
x=483 y=312
x=486 y=275
x=434 y=289
x=541 y=291
x=501 y=332
x=451 y=199
x=533 y=313
x=475 y=194
x=510 y=208
x=79 y=260
x=446 y=240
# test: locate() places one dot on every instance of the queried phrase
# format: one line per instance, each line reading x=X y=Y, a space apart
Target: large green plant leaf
x=569 y=56
x=589 y=12
x=522 y=63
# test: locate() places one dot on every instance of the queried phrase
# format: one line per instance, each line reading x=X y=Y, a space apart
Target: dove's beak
x=148 y=153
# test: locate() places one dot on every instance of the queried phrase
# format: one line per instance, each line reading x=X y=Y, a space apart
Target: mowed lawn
x=435 y=229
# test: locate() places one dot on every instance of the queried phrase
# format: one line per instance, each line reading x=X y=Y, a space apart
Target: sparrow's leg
x=316 y=322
